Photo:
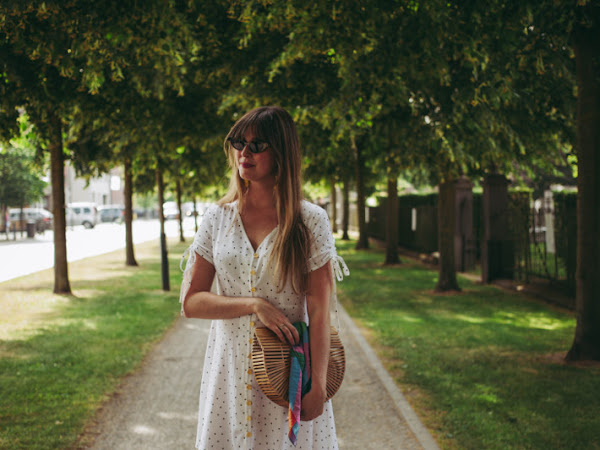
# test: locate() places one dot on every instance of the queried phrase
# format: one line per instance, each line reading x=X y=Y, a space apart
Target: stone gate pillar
x=497 y=249
x=464 y=242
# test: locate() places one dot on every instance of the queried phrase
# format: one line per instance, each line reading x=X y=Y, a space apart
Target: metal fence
x=541 y=251
x=543 y=233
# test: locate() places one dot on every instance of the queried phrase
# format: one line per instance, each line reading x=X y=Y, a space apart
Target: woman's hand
x=313 y=404
x=276 y=321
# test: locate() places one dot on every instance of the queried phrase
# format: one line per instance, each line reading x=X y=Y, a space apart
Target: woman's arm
x=200 y=303
x=317 y=303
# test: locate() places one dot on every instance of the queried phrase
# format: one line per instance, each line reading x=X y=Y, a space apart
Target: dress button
x=253 y=272
x=252 y=324
x=253 y=289
x=250 y=341
x=250 y=356
x=249 y=403
x=248 y=386
x=249 y=371
x=256 y=256
x=248 y=434
x=249 y=418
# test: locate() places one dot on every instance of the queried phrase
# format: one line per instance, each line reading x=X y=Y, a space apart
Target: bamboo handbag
x=271 y=365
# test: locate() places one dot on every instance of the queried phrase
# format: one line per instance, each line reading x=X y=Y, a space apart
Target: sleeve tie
x=339 y=266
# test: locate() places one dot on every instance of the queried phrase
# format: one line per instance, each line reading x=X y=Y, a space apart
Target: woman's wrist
x=255 y=303
x=320 y=387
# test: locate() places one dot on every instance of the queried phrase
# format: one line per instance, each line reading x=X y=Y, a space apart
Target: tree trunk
x=22 y=223
x=391 y=222
x=164 y=259
x=5 y=221
x=346 y=211
x=195 y=215
x=333 y=207
x=446 y=223
x=363 y=238
x=129 y=253
x=586 y=344
x=57 y=173
x=178 y=193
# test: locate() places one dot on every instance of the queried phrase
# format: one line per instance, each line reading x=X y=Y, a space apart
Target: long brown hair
x=291 y=251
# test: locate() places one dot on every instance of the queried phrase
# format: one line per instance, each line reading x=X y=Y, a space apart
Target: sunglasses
x=254 y=147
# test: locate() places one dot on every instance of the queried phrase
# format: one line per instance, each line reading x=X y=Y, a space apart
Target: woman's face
x=255 y=167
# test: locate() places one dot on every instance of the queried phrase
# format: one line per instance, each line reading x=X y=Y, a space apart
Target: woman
x=272 y=255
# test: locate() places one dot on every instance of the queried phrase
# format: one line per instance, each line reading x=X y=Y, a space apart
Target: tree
x=21 y=170
x=54 y=54
x=20 y=179
x=586 y=42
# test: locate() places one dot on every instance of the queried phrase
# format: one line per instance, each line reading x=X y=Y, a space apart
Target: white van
x=82 y=213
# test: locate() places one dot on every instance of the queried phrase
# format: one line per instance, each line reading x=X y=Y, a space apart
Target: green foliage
x=437 y=88
x=20 y=178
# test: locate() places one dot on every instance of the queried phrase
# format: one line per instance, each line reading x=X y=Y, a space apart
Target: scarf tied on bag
x=299 y=379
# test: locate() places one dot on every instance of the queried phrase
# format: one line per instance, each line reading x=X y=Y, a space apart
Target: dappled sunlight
x=86 y=324
x=17 y=330
x=485 y=393
x=23 y=311
x=470 y=319
x=178 y=416
x=99 y=273
x=144 y=430
x=411 y=319
x=538 y=320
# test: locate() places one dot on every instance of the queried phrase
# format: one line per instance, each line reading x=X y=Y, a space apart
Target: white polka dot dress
x=234 y=413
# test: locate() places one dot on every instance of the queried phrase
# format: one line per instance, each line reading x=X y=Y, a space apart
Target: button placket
x=249 y=375
x=251 y=326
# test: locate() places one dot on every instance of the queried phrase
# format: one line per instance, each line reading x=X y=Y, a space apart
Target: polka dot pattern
x=233 y=412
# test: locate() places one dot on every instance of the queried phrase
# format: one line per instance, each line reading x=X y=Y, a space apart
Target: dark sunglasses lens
x=238 y=145
x=254 y=147
x=257 y=147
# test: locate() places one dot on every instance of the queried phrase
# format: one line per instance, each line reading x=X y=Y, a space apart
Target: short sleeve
x=203 y=240
x=202 y=245
x=323 y=244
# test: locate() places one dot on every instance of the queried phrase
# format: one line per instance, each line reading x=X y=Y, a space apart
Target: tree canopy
x=377 y=88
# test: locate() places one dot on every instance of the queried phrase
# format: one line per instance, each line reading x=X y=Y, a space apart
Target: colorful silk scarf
x=299 y=380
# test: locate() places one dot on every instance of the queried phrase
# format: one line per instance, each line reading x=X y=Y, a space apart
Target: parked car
x=112 y=213
x=188 y=209
x=82 y=213
x=170 y=211
x=40 y=216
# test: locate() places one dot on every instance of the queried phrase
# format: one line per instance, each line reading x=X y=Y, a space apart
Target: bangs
x=261 y=122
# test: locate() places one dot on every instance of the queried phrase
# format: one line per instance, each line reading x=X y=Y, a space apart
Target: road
x=25 y=256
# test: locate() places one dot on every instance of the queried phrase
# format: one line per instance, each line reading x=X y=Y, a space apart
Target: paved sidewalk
x=156 y=408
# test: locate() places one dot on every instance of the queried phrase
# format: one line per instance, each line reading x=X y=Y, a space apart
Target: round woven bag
x=271 y=365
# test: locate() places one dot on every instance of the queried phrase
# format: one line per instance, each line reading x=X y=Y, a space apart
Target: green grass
x=483 y=367
x=62 y=356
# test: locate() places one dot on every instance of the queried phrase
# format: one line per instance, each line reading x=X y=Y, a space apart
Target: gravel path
x=156 y=408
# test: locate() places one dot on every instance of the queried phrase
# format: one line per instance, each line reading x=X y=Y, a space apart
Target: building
x=108 y=189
